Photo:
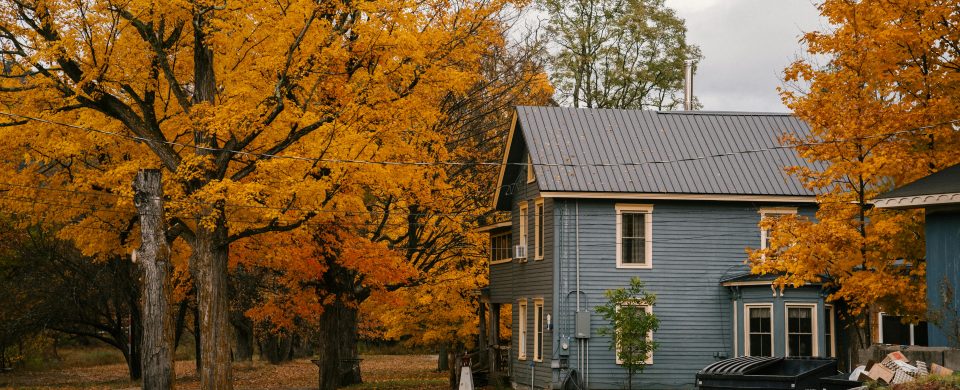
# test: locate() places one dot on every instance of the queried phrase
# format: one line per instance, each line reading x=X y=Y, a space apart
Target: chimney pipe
x=688 y=87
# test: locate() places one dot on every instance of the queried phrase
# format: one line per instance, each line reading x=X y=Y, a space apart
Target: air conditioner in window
x=520 y=252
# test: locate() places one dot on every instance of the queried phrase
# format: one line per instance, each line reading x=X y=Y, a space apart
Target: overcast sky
x=746 y=44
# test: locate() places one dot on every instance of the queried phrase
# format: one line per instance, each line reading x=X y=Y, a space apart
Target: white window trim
x=831 y=317
x=531 y=175
x=649 y=310
x=764 y=211
x=522 y=329
x=648 y=234
x=538 y=330
x=814 y=328
x=537 y=229
x=523 y=229
x=510 y=248
x=746 y=327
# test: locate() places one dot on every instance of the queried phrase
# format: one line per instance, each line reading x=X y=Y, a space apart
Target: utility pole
x=156 y=270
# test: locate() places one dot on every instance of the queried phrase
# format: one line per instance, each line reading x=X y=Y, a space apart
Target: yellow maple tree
x=265 y=116
x=883 y=110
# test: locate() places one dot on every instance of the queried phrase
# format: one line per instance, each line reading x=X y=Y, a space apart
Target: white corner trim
x=917 y=201
x=676 y=196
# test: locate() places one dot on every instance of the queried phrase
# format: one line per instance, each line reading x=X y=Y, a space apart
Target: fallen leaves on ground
x=379 y=372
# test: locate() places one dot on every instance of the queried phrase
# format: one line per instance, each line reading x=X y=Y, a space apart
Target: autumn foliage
x=883 y=111
x=294 y=136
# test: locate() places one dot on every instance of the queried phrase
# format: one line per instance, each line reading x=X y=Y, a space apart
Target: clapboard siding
x=532 y=279
x=694 y=245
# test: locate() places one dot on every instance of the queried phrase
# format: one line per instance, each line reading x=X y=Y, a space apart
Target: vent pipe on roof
x=688 y=87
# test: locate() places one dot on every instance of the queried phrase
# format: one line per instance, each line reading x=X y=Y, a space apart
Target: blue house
x=939 y=196
x=598 y=196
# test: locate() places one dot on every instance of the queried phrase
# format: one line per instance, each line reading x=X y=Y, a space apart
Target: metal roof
x=940 y=188
x=672 y=152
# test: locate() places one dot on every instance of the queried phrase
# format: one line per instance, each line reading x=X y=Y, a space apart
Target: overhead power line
x=478 y=163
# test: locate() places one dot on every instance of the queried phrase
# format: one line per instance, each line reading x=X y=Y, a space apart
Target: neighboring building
x=939 y=196
x=599 y=196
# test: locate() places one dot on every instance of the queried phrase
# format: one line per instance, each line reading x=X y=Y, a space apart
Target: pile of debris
x=895 y=369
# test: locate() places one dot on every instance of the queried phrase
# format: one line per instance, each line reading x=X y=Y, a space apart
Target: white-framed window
x=829 y=331
x=531 y=176
x=634 y=236
x=523 y=227
x=538 y=329
x=758 y=329
x=522 y=329
x=894 y=331
x=649 y=310
x=500 y=248
x=538 y=229
x=772 y=212
x=801 y=329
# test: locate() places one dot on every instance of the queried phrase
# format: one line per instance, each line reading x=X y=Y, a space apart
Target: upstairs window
x=523 y=229
x=538 y=230
x=772 y=213
x=500 y=248
x=634 y=236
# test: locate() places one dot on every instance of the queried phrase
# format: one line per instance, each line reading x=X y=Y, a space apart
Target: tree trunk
x=337 y=346
x=210 y=253
x=135 y=341
x=156 y=270
x=243 y=338
x=198 y=358
x=276 y=348
x=135 y=359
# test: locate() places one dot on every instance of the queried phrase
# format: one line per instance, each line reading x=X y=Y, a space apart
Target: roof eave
x=918 y=201
x=681 y=196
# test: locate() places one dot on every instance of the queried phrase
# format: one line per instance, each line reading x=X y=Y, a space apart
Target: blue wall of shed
x=943 y=270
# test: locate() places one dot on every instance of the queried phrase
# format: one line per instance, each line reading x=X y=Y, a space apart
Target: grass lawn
x=379 y=372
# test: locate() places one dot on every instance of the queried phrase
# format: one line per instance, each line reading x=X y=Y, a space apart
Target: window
x=538 y=329
x=828 y=332
x=772 y=212
x=500 y=248
x=634 y=236
x=538 y=230
x=649 y=310
x=522 y=331
x=758 y=330
x=523 y=229
x=531 y=176
x=894 y=331
x=801 y=330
